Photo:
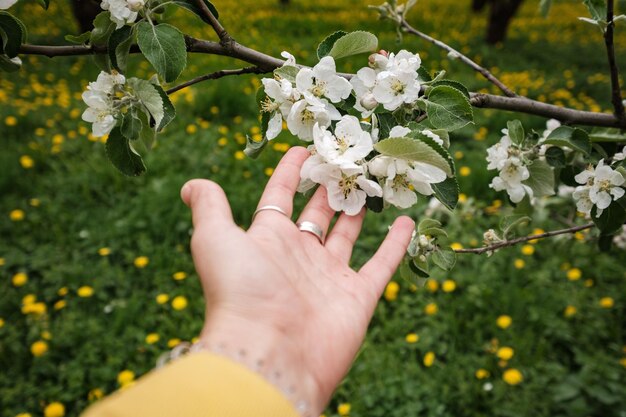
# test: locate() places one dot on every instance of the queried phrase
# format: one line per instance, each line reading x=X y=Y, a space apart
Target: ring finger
x=318 y=211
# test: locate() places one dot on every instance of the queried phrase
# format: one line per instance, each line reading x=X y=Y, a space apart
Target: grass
x=75 y=205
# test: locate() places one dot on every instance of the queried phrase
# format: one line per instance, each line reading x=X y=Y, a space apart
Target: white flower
x=583 y=202
x=620 y=239
x=122 y=11
x=403 y=61
x=290 y=60
x=498 y=154
x=600 y=186
x=281 y=96
x=551 y=125
x=400 y=177
x=347 y=146
x=311 y=163
x=100 y=97
x=322 y=81
x=100 y=112
x=304 y=114
x=5 y=4
x=510 y=179
x=347 y=188
x=392 y=89
x=620 y=156
x=363 y=83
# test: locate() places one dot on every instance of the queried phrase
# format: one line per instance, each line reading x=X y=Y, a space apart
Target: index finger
x=284 y=181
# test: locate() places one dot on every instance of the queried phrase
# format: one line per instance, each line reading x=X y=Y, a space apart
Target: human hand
x=277 y=299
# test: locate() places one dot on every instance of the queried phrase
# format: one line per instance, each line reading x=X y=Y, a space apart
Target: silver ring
x=269 y=207
x=312 y=228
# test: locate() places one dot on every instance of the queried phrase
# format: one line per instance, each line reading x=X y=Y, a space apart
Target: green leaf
x=148 y=134
x=102 y=29
x=149 y=96
x=122 y=155
x=164 y=46
x=376 y=204
x=413 y=150
x=407 y=274
x=607 y=134
x=447 y=192
x=427 y=224
x=444 y=258
x=169 y=111
x=12 y=32
x=192 y=6
x=453 y=84
x=436 y=146
x=544 y=7
x=555 y=157
x=612 y=217
x=571 y=137
x=353 y=43
x=81 y=39
x=516 y=131
x=541 y=178
x=423 y=75
x=323 y=49
x=102 y=61
x=597 y=9
x=253 y=149
x=508 y=223
x=448 y=108
x=384 y=122
x=9 y=65
x=131 y=125
x=288 y=72
x=119 y=47
x=420 y=268
x=44 y=3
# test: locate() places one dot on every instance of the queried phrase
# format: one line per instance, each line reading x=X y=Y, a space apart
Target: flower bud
x=368 y=101
x=135 y=5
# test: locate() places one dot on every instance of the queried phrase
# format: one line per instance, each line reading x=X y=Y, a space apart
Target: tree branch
x=563 y=114
x=512 y=242
x=225 y=38
x=616 y=95
x=215 y=75
x=466 y=60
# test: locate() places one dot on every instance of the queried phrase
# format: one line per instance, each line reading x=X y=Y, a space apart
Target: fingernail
x=185 y=192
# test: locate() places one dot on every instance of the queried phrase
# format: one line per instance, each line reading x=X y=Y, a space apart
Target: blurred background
x=97 y=279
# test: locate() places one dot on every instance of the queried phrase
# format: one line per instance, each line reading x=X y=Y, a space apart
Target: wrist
x=269 y=352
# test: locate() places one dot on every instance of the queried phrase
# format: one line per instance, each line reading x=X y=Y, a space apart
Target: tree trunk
x=500 y=15
x=84 y=12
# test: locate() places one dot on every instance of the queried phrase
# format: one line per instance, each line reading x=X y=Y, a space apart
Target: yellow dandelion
x=26 y=162
x=268 y=171
x=505 y=353
x=141 y=261
x=462 y=198
x=162 y=298
x=607 y=302
x=432 y=285
x=214 y=110
x=55 y=409
x=191 y=129
x=448 y=285
x=179 y=303
x=391 y=291
x=1 y=322
x=239 y=155
x=29 y=299
x=59 y=305
x=179 y=276
x=512 y=376
x=24 y=415
x=481 y=373
x=19 y=279
x=125 y=377
x=431 y=309
x=343 y=409
x=504 y=321
x=222 y=141
x=10 y=120
x=429 y=359
x=528 y=250
x=104 y=251
x=465 y=171
x=456 y=246
x=412 y=338
x=85 y=291
x=570 y=311
x=152 y=338
x=95 y=394
x=172 y=343
x=17 y=215
x=39 y=348
x=34 y=202
x=588 y=283
x=536 y=232
x=46 y=335
x=574 y=274
x=519 y=263
x=458 y=155
x=63 y=291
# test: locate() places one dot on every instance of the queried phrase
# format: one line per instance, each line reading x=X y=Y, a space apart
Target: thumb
x=208 y=203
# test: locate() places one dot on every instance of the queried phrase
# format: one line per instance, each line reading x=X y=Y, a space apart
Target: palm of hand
x=281 y=284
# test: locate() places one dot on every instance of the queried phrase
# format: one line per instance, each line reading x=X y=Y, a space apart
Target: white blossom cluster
x=599 y=187
x=5 y=4
x=102 y=97
x=512 y=165
x=123 y=11
x=341 y=153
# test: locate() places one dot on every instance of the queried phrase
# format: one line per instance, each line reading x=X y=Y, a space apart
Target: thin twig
x=512 y=242
x=466 y=60
x=215 y=75
x=225 y=38
x=616 y=95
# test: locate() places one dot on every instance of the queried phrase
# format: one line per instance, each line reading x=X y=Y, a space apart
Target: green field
x=75 y=231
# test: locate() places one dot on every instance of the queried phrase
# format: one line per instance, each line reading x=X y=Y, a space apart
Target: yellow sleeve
x=198 y=385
